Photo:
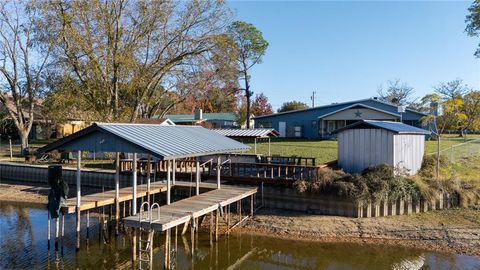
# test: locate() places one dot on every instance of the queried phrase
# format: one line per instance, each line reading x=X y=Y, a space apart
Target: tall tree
x=473 y=23
x=22 y=64
x=261 y=106
x=292 y=105
x=251 y=47
x=471 y=110
x=396 y=92
x=133 y=57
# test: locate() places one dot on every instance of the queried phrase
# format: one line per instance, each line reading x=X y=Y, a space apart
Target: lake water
x=23 y=244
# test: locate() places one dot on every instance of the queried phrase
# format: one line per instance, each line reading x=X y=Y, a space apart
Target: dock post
x=174 y=165
x=219 y=168
x=197 y=184
x=117 y=193
x=251 y=205
x=228 y=219
x=134 y=185
x=48 y=232
x=148 y=178
x=134 y=246
x=79 y=195
x=211 y=229
x=169 y=171
x=57 y=220
x=88 y=224
x=240 y=210
x=216 y=225
x=63 y=230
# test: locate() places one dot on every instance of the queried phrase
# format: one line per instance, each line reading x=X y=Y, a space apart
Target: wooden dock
x=183 y=211
x=125 y=194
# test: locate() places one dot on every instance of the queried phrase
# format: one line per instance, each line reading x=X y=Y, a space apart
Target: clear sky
x=346 y=50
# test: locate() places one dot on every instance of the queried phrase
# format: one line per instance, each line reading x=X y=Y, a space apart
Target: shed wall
x=361 y=148
x=409 y=151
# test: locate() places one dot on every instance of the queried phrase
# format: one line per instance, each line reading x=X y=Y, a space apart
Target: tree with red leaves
x=261 y=106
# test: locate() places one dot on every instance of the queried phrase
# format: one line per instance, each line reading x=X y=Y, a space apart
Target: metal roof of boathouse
x=396 y=127
x=164 y=142
x=252 y=133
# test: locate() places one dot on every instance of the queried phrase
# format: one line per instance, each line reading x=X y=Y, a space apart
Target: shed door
x=282 y=128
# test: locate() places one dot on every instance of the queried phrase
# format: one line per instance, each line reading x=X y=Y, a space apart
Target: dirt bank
x=24 y=193
x=452 y=230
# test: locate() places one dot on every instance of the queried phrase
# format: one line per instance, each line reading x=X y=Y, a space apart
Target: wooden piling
x=78 y=228
x=211 y=229
x=48 y=231
x=57 y=220
x=216 y=225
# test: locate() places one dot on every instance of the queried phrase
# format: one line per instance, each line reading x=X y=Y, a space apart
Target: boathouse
x=370 y=143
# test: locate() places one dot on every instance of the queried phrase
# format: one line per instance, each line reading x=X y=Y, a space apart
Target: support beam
x=169 y=172
x=79 y=196
x=134 y=185
x=117 y=193
x=255 y=145
x=197 y=184
x=148 y=178
x=48 y=232
x=219 y=168
x=174 y=166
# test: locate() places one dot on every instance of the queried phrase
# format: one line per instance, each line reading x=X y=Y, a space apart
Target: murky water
x=23 y=244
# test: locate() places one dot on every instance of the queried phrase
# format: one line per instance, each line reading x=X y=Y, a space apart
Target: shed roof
x=253 y=133
x=164 y=142
x=396 y=127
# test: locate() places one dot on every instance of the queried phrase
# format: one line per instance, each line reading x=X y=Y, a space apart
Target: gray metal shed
x=371 y=143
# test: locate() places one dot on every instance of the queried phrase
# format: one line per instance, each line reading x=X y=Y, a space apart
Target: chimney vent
x=198 y=114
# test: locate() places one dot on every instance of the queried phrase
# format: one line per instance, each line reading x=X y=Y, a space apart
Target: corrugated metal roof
x=397 y=127
x=181 y=118
x=164 y=142
x=257 y=132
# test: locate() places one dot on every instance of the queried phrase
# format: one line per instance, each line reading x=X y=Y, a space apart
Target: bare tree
x=22 y=64
x=451 y=90
x=127 y=54
x=397 y=92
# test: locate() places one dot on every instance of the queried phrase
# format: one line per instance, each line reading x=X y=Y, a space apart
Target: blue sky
x=346 y=50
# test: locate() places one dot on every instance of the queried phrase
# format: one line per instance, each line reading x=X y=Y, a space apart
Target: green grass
x=324 y=151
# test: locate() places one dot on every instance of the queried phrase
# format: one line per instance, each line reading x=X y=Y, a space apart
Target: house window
x=314 y=123
x=265 y=124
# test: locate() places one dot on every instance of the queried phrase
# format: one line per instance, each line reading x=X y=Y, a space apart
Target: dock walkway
x=182 y=211
x=106 y=198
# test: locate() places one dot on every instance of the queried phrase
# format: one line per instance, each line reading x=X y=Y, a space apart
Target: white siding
x=361 y=148
x=409 y=152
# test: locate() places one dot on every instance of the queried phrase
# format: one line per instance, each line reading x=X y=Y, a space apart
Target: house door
x=330 y=126
x=282 y=128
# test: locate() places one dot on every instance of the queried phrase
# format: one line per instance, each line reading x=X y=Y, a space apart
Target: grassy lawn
x=324 y=151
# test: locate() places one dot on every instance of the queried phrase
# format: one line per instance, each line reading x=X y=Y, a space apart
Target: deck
x=182 y=211
x=125 y=194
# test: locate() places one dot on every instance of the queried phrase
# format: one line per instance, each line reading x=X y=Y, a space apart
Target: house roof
x=163 y=142
x=182 y=118
x=396 y=127
x=326 y=109
x=253 y=133
x=358 y=105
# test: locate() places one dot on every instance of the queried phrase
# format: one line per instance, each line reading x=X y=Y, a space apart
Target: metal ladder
x=145 y=239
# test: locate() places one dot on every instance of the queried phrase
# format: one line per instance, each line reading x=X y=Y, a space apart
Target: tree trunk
x=247 y=95
x=24 y=139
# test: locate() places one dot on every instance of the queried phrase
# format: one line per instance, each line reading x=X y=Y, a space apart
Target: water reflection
x=23 y=244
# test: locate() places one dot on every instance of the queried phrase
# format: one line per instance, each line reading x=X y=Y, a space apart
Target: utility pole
x=313 y=98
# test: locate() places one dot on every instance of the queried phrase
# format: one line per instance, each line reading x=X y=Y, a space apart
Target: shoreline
x=444 y=231
x=425 y=231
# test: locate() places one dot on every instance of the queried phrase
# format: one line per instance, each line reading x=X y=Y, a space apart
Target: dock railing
x=270 y=171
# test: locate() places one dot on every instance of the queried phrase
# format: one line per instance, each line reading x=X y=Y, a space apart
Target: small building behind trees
x=370 y=143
